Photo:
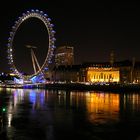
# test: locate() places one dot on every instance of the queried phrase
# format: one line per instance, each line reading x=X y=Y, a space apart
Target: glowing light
x=3 y=109
x=32 y=10
x=49 y=19
x=18 y=81
x=37 y=10
x=45 y=15
x=9 y=120
x=41 y=12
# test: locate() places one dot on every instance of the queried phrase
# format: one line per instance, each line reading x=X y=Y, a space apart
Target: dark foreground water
x=63 y=115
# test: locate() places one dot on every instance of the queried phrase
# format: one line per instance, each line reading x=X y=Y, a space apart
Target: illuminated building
x=99 y=72
x=64 y=55
x=95 y=74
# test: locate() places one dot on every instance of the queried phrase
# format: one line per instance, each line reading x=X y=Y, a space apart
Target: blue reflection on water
x=32 y=96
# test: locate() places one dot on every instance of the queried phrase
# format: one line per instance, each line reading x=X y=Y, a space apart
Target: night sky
x=93 y=28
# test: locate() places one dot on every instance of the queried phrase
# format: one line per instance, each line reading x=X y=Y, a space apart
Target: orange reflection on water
x=102 y=108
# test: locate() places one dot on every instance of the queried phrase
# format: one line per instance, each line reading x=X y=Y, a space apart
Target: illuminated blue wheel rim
x=51 y=46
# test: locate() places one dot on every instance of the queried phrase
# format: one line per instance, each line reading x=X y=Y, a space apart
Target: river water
x=66 y=115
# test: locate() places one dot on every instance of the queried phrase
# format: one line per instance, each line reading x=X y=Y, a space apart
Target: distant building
x=66 y=73
x=64 y=55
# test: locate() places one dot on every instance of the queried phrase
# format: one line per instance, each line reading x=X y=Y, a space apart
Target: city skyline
x=94 y=30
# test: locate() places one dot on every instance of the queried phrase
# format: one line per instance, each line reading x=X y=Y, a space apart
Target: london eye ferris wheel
x=38 y=69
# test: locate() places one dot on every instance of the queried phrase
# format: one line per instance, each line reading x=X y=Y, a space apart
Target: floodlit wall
x=103 y=75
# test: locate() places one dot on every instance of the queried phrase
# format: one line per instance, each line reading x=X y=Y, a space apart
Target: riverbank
x=80 y=87
x=109 y=87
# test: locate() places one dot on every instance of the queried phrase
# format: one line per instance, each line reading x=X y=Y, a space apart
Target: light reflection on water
x=102 y=108
x=53 y=115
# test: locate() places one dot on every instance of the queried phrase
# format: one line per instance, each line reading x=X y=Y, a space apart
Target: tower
x=132 y=70
x=112 y=58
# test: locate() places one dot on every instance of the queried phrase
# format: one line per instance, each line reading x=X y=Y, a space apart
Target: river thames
x=65 y=115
